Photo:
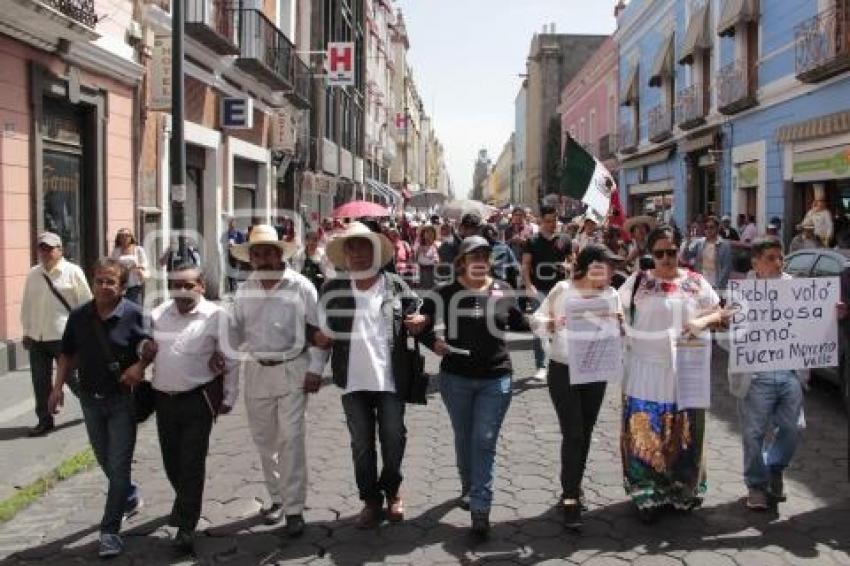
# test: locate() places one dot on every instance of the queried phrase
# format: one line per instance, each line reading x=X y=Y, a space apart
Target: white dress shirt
x=186 y=344
x=43 y=316
x=369 y=364
x=271 y=324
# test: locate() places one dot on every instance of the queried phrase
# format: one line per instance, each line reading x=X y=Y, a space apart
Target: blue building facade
x=734 y=107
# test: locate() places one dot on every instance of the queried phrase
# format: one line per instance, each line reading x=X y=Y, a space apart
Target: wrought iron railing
x=690 y=107
x=823 y=43
x=302 y=80
x=627 y=137
x=263 y=41
x=660 y=122
x=218 y=15
x=80 y=10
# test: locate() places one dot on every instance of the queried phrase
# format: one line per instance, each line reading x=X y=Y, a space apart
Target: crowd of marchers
x=350 y=299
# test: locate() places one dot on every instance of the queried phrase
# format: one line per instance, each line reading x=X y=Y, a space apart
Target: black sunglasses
x=659 y=254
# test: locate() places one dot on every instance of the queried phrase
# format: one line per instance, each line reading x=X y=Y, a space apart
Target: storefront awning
x=737 y=12
x=697 y=38
x=648 y=159
x=701 y=141
x=662 y=67
x=663 y=186
x=630 y=90
x=820 y=127
x=383 y=190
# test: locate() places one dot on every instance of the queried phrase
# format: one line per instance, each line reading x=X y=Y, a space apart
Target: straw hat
x=335 y=250
x=263 y=234
x=642 y=219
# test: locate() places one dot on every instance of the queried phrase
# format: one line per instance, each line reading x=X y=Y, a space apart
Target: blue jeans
x=539 y=353
x=476 y=408
x=364 y=411
x=773 y=402
x=111 y=426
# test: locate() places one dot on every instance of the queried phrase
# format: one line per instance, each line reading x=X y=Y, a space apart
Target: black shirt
x=124 y=329
x=465 y=314
x=547 y=259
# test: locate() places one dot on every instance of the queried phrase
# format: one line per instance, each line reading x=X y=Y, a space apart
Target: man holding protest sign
x=766 y=334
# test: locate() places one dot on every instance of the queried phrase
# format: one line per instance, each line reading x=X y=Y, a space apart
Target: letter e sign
x=237 y=113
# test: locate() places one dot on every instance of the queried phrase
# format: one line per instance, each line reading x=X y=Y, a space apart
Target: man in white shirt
x=274 y=319
x=365 y=312
x=44 y=315
x=188 y=332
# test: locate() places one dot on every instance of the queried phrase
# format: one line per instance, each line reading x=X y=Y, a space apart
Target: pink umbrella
x=359 y=209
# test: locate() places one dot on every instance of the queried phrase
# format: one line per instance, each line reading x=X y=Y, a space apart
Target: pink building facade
x=589 y=105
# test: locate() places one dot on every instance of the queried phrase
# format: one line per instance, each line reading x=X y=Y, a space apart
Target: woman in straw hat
x=275 y=319
x=368 y=314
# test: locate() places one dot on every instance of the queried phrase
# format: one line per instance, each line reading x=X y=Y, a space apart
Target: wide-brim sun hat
x=335 y=250
x=645 y=219
x=265 y=235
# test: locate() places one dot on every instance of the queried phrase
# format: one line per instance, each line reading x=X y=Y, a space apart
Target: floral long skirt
x=661 y=446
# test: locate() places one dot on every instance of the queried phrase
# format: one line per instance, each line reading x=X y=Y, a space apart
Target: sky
x=466 y=57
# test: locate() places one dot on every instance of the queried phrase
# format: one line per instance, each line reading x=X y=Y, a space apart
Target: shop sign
x=340 y=63
x=822 y=165
x=283 y=132
x=160 y=73
x=748 y=175
x=237 y=113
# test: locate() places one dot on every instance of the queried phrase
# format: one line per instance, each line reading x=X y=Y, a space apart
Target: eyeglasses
x=660 y=254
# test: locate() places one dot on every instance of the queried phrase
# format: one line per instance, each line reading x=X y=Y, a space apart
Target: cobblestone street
x=810 y=529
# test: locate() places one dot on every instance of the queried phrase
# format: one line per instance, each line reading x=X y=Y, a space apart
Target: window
x=800 y=264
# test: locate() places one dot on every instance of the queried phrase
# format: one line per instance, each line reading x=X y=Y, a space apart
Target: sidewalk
x=23 y=459
x=810 y=528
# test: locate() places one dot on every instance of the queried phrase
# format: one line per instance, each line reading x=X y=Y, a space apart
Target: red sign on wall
x=340 y=63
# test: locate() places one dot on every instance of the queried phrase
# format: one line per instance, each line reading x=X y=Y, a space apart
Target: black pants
x=577 y=407
x=184 y=423
x=364 y=410
x=42 y=355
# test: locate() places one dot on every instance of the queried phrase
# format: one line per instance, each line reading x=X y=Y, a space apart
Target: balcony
x=265 y=51
x=660 y=123
x=607 y=147
x=49 y=20
x=735 y=89
x=628 y=138
x=302 y=81
x=823 y=44
x=81 y=11
x=214 y=24
x=691 y=108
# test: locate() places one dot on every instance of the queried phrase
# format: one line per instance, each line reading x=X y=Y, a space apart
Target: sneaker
x=463 y=501
x=133 y=506
x=572 y=513
x=395 y=509
x=540 y=375
x=294 y=525
x=776 y=487
x=757 y=499
x=481 y=524
x=110 y=546
x=370 y=516
x=184 y=542
x=272 y=515
x=41 y=429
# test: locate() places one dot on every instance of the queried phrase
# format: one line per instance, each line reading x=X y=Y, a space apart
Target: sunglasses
x=45 y=247
x=660 y=254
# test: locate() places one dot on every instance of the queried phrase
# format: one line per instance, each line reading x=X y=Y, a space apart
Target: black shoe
x=184 y=542
x=41 y=429
x=294 y=526
x=272 y=515
x=572 y=514
x=481 y=524
x=776 y=487
x=648 y=516
x=133 y=506
x=463 y=501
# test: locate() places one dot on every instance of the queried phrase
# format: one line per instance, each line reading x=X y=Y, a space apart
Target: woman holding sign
x=476 y=371
x=594 y=349
x=663 y=436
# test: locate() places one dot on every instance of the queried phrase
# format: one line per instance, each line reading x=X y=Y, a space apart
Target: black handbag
x=409 y=369
x=143 y=395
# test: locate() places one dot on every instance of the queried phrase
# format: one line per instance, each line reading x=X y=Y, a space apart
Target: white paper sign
x=594 y=342
x=783 y=324
x=693 y=373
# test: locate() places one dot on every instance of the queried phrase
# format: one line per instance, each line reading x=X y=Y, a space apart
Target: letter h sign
x=340 y=63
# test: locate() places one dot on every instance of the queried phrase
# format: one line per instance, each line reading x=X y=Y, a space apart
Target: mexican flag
x=584 y=177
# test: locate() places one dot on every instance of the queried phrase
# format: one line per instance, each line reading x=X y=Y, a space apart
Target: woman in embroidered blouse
x=427 y=256
x=661 y=445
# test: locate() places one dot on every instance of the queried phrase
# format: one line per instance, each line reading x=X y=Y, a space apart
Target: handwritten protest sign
x=783 y=324
x=593 y=341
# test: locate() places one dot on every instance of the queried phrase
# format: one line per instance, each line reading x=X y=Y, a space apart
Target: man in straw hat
x=638 y=228
x=275 y=317
x=368 y=313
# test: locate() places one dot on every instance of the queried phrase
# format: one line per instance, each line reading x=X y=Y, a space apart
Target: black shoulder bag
x=56 y=292
x=143 y=396
x=408 y=364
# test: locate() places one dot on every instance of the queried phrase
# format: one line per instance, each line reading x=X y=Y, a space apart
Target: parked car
x=829 y=263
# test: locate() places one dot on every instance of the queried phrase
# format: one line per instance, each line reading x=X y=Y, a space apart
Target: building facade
x=518 y=193
x=497 y=185
x=68 y=109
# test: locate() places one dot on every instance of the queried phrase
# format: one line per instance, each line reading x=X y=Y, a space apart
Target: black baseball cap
x=471 y=219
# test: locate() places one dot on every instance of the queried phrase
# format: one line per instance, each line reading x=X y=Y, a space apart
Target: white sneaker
x=540 y=375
